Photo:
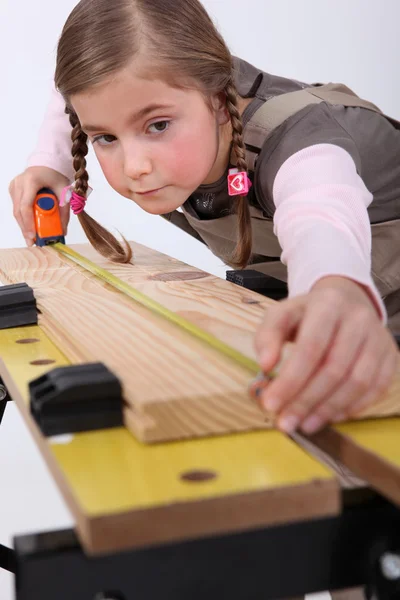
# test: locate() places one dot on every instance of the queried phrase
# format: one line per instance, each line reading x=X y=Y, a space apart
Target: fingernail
x=289 y=424
x=265 y=358
x=272 y=404
x=312 y=424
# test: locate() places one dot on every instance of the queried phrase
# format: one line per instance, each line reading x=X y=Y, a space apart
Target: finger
x=359 y=381
x=64 y=216
x=11 y=188
x=64 y=210
x=384 y=377
x=277 y=328
x=312 y=343
x=331 y=372
x=27 y=200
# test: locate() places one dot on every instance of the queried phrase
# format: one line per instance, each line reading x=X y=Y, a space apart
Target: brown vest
x=220 y=234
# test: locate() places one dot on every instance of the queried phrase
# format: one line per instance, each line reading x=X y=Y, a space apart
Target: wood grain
x=175 y=386
x=216 y=305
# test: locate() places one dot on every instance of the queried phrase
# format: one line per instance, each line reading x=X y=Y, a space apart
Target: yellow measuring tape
x=158 y=309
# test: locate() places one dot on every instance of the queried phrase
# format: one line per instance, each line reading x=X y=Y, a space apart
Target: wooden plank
x=124 y=494
x=175 y=386
x=225 y=309
x=167 y=402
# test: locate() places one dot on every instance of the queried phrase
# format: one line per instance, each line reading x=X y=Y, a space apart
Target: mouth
x=150 y=192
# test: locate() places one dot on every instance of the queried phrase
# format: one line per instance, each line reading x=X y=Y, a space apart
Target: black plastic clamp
x=259 y=282
x=17 y=306
x=76 y=398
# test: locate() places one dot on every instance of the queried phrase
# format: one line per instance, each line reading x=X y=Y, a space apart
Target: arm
x=50 y=165
x=321 y=220
x=53 y=149
x=343 y=358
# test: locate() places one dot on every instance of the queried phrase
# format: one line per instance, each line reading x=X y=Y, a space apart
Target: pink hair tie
x=77 y=202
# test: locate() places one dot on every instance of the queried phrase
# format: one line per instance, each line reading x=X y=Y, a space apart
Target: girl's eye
x=104 y=140
x=159 y=126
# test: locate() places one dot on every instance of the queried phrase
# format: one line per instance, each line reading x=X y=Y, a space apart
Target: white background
x=356 y=42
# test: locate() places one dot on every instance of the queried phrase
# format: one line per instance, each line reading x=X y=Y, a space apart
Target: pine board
x=175 y=387
x=224 y=309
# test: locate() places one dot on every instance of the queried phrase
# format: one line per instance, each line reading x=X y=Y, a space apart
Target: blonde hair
x=101 y=37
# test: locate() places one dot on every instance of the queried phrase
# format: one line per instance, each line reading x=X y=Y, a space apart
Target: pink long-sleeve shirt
x=319 y=198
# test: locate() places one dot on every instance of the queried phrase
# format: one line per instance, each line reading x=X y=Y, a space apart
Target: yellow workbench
x=124 y=494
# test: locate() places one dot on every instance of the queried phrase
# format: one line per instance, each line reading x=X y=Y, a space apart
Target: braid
x=101 y=239
x=242 y=251
x=79 y=151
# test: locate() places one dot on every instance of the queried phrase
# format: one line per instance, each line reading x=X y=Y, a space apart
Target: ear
x=218 y=103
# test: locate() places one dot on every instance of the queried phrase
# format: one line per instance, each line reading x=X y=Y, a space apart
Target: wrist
x=357 y=292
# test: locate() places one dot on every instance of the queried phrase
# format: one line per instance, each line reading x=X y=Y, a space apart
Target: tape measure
x=129 y=291
x=47 y=219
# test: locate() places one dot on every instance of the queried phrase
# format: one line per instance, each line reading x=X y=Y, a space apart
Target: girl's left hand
x=343 y=358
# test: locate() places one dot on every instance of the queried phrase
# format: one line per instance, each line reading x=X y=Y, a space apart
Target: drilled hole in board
x=198 y=476
x=27 y=341
x=42 y=361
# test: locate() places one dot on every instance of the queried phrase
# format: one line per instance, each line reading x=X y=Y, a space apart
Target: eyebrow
x=135 y=117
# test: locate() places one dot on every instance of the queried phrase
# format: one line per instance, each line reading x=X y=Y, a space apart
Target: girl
x=152 y=85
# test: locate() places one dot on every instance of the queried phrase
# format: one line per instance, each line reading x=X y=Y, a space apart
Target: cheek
x=111 y=168
x=194 y=154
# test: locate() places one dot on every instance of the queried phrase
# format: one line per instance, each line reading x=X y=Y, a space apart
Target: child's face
x=156 y=144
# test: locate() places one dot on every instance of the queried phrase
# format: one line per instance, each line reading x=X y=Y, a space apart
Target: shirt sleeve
x=54 y=144
x=321 y=220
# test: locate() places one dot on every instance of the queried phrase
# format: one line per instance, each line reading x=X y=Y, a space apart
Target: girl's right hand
x=23 y=190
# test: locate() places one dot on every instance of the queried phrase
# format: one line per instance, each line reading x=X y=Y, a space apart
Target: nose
x=137 y=162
